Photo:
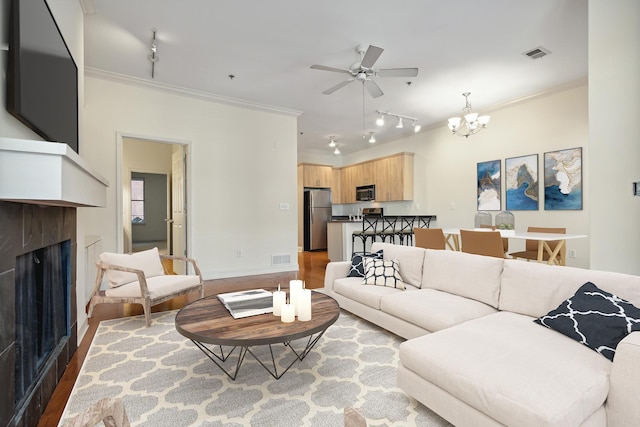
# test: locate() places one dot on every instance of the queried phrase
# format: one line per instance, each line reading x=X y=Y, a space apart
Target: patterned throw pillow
x=382 y=273
x=357 y=266
x=595 y=318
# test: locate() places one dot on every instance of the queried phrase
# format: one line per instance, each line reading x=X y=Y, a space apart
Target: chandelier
x=470 y=123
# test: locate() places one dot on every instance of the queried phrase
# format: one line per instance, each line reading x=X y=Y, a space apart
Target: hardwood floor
x=312 y=268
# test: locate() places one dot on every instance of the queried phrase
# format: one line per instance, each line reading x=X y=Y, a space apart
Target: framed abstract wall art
x=521 y=183
x=563 y=179
x=489 y=187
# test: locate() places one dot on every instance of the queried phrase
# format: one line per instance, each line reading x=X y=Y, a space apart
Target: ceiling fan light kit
x=471 y=123
x=364 y=72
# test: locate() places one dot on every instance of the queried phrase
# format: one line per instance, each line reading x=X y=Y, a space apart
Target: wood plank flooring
x=312 y=267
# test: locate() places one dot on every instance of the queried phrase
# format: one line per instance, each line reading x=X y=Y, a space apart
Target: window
x=137 y=200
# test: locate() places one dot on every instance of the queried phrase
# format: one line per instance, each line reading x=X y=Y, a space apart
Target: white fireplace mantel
x=48 y=173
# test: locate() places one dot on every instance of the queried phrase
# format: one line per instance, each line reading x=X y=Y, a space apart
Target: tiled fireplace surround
x=24 y=228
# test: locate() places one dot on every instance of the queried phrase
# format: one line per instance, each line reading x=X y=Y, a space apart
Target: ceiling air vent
x=537 y=53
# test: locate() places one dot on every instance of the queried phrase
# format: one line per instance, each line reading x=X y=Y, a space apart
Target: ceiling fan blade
x=373 y=88
x=335 y=70
x=398 y=72
x=371 y=56
x=338 y=86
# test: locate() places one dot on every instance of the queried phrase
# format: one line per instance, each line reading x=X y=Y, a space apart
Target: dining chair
x=429 y=238
x=487 y=243
x=531 y=246
x=505 y=241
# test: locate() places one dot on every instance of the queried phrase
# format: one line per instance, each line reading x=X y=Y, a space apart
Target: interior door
x=178 y=203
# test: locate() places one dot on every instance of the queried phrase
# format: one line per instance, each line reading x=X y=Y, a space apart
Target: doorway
x=153 y=196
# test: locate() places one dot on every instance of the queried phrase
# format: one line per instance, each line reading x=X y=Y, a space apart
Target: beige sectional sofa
x=474 y=354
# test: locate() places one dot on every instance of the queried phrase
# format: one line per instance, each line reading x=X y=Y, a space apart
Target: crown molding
x=135 y=81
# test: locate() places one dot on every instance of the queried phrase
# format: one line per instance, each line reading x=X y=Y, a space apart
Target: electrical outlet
x=239 y=253
x=572 y=253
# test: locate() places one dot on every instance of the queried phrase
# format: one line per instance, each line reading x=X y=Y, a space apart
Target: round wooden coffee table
x=207 y=322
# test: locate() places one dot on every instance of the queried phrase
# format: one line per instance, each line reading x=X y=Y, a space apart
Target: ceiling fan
x=364 y=72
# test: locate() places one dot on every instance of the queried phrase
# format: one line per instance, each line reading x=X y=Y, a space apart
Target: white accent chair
x=140 y=278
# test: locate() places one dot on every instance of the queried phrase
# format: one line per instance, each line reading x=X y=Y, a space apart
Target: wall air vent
x=280 y=259
x=536 y=53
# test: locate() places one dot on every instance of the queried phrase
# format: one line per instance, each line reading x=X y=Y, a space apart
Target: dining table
x=452 y=239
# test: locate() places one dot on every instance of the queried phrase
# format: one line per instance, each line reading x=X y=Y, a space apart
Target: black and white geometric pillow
x=595 y=318
x=357 y=266
x=382 y=273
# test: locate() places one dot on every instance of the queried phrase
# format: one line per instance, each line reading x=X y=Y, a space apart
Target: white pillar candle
x=295 y=286
x=279 y=299
x=288 y=314
x=304 y=305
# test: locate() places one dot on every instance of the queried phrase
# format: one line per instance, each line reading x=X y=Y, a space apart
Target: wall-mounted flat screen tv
x=42 y=77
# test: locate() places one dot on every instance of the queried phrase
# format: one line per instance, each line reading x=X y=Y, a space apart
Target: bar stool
x=369 y=225
x=406 y=229
x=424 y=221
x=388 y=229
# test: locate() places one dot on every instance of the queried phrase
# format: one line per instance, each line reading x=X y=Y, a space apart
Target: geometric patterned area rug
x=164 y=380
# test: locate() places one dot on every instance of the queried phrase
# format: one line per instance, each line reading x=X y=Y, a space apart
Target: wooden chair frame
x=98 y=297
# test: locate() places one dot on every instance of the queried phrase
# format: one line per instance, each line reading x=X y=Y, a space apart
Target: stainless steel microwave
x=365 y=193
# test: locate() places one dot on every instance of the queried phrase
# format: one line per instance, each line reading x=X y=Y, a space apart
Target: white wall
x=242 y=164
x=614 y=88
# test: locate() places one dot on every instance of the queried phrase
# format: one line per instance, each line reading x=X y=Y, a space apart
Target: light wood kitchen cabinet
x=317 y=176
x=365 y=173
x=348 y=184
x=336 y=180
x=394 y=178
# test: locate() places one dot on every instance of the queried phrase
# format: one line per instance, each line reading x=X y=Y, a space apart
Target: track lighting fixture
x=400 y=125
x=332 y=142
x=372 y=139
x=336 y=151
x=153 y=56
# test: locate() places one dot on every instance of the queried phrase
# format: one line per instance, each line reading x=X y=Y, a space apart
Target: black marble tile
x=49 y=382
x=7 y=309
x=10 y=234
x=32 y=231
x=7 y=373
x=33 y=410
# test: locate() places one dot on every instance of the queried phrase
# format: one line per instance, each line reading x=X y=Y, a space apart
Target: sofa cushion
x=148 y=261
x=382 y=272
x=352 y=288
x=595 y=318
x=158 y=286
x=357 y=263
x=410 y=260
x=433 y=310
x=534 y=288
x=471 y=276
x=513 y=370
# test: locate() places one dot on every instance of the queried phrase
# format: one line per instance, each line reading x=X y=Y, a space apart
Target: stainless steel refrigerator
x=317 y=213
